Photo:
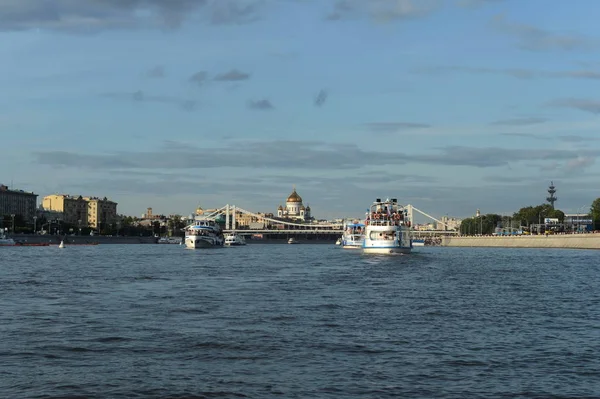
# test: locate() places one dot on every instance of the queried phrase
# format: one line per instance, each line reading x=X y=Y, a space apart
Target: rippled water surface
x=298 y=321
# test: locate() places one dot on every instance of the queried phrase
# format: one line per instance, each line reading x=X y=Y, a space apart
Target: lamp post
x=79 y=224
x=34 y=224
x=12 y=215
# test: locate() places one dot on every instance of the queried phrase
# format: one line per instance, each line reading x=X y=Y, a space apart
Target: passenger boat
x=203 y=233
x=387 y=229
x=292 y=240
x=354 y=235
x=234 y=239
x=338 y=241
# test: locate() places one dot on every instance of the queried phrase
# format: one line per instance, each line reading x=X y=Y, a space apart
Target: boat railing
x=387 y=222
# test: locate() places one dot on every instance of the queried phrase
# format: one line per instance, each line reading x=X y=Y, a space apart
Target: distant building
x=74 y=209
x=81 y=211
x=448 y=223
x=102 y=212
x=17 y=202
x=294 y=208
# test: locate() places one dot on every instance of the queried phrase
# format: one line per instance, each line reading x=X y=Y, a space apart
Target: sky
x=448 y=105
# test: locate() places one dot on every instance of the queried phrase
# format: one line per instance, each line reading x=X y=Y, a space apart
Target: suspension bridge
x=262 y=226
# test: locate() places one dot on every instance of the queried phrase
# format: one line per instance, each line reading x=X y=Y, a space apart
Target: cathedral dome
x=294 y=197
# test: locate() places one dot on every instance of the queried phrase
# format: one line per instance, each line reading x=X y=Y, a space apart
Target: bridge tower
x=227 y=217
x=551 y=199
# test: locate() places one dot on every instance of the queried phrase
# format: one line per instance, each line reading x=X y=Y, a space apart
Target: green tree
x=595 y=214
x=484 y=224
x=536 y=214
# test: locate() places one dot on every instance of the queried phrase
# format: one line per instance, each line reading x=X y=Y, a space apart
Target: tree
x=484 y=224
x=536 y=214
x=595 y=214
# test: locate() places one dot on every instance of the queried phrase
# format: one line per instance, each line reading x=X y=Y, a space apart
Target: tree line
x=527 y=216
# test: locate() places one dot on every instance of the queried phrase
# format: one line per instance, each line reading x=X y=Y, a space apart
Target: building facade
x=17 y=202
x=81 y=211
x=74 y=209
x=294 y=208
x=102 y=212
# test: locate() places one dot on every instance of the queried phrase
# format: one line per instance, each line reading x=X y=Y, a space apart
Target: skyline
x=450 y=106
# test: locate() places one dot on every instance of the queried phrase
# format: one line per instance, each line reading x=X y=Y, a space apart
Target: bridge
x=268 y=227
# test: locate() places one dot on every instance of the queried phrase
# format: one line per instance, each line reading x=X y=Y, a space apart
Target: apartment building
x=74 y=209
x=102 y=212
x=17 y=202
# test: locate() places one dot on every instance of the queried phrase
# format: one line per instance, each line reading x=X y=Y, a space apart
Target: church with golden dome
x=294 y=208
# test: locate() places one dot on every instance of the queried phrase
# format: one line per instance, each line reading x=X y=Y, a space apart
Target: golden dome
x=294 y=197
x=199 y=211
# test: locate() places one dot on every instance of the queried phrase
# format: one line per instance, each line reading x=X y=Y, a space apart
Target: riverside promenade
x=573 y=241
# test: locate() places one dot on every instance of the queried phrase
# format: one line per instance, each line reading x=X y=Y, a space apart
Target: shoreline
x=567 y=241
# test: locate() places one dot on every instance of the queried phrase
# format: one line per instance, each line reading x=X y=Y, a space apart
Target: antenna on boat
x=378 y=200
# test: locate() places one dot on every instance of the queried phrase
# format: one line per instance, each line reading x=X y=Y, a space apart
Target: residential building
x=17 y=202
x=74 y=209
x=449 y=223
x=102 y=212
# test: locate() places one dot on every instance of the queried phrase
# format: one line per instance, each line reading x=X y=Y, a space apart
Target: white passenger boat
x=203 y=233
x=387 y=229
x=354 y=235
x=234 y=239
x=6 y=242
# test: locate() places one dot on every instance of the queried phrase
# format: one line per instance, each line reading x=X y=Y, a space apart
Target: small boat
x=7 y=242
x=354 y=235
x=234 y=239
x=292 y=240
x=169 y=240
x=387 y=228
x=62 y=244
x=338 y=241
x=203 y=233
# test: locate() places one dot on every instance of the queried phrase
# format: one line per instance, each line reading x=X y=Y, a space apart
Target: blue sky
x=449 y=105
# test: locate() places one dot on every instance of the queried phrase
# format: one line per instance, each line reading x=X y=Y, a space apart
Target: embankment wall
x=36 y=239
x=575 y=241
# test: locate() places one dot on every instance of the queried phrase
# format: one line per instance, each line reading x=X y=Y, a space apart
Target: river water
x=298 y=321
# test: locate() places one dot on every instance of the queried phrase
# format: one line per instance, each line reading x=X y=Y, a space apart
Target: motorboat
x=418 y=242
x=354 y=235
x=292 y=240
x=338 y=241
x=234 y=239
x=62 y=244
x=7 y=242
x=203 y=233
x=387 y=228
x=169 y=240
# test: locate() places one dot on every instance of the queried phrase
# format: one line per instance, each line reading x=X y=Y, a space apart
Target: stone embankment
x=575 y=241
x=55 y=240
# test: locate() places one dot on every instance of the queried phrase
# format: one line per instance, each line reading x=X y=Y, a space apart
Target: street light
x=12 y=215
x=79 y=221
x=34 y=224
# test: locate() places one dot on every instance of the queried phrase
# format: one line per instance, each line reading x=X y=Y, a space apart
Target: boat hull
x=196 y=242
x=234 y=244
x=387 y=250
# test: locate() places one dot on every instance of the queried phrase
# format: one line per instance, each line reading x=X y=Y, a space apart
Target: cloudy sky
x=449 y=105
